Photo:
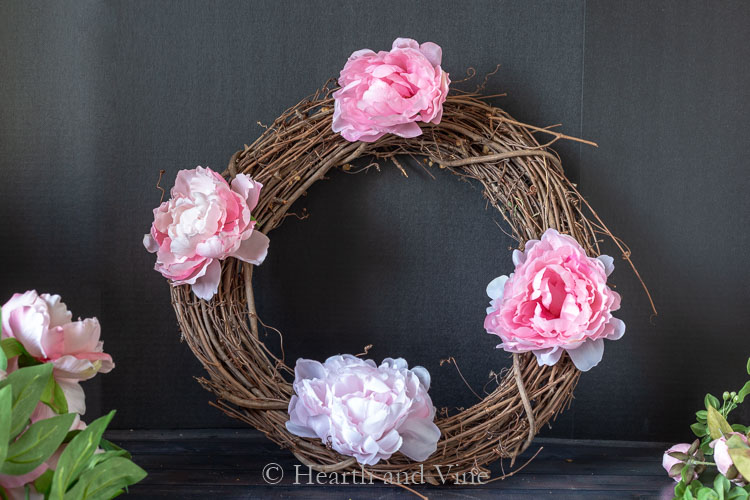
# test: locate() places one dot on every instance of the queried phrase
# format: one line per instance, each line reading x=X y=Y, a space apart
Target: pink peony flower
x=556 y=300
x=205 y=221
x=363 y=410
x=669 y=462
x=388 y=92
x=42 y=324
x=724 y=460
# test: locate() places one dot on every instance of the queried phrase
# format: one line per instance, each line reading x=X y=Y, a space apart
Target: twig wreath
x=348 y=414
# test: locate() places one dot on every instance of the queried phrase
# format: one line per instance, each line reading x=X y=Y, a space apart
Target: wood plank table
x=229 y=465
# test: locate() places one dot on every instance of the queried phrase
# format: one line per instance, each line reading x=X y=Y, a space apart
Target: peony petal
x=423 y=375
x=300 y=430
x=74 y=368
x=150 y=243
x=420 y=437
x=30 y=325
x=609 y=263
x=405 y=43
x=407 y=130
x=207 y=285
x=587 y=355
x=547 y=356
x=212 y=248
x=80 y=336
x=254 y=249
x=57 y=310
x=496 y=287
x=249 y=189
x=74 y=395
x=308 y=369
x=16 y=301
x=617 y=327
x=432 y=52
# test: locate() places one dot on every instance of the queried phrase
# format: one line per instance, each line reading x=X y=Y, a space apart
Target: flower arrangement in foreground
x=346 y=413
x=719 y=445
x=46 y=450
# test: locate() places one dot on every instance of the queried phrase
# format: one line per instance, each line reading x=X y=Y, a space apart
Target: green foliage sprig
x=89 y=468
x=711 y=424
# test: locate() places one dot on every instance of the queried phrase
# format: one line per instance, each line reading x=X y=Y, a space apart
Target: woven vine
x=520 y=177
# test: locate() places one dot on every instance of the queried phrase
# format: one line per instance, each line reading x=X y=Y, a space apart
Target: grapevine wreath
x=349 y=414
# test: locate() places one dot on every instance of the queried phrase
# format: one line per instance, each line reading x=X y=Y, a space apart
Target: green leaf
x=110 y=446
x=687 y=473
x=54 y=397
x=748 y=366
x=28 y=385
x=711 y=401
x=43 y=482
x=3 y=357
x=743 y=392
x=699 y=429
x=722 y=485
x=3 y=494
x=701 y=416
x=736 y=442
x=741 y=460
x=13 y=348
x=77 y=455
x=106 y=480
x=707 y=494
x=679 y=489
x=6 y=401
x=36 y=445
x=71 y=434
x=104 y=456
x=717 y=424
x=737 y=493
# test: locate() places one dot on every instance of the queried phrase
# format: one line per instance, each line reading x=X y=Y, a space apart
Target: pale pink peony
x=42 y=324
x=388 y=92
x=669 y=462
x=203 y=222
x=724 y=460
x=556 y=300
x=363 y=410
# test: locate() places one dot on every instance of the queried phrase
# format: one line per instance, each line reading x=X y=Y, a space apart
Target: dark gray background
x=96 y=97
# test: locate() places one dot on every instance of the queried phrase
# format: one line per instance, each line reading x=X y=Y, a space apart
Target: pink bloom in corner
x=669 y=462
x=205 y=220
x=42 y=324
x=363 y=410
x=724 y=461
x=556 y=300
x=388 y=92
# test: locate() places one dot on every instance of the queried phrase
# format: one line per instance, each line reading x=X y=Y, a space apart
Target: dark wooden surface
x=228 y=464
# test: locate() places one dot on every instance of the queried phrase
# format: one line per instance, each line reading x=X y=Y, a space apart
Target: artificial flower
x=389 y=92
x=205 y=220
x=673 y=465
x=556 y=300
x=724 y=461
x=43 y=325
x=363 y=410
